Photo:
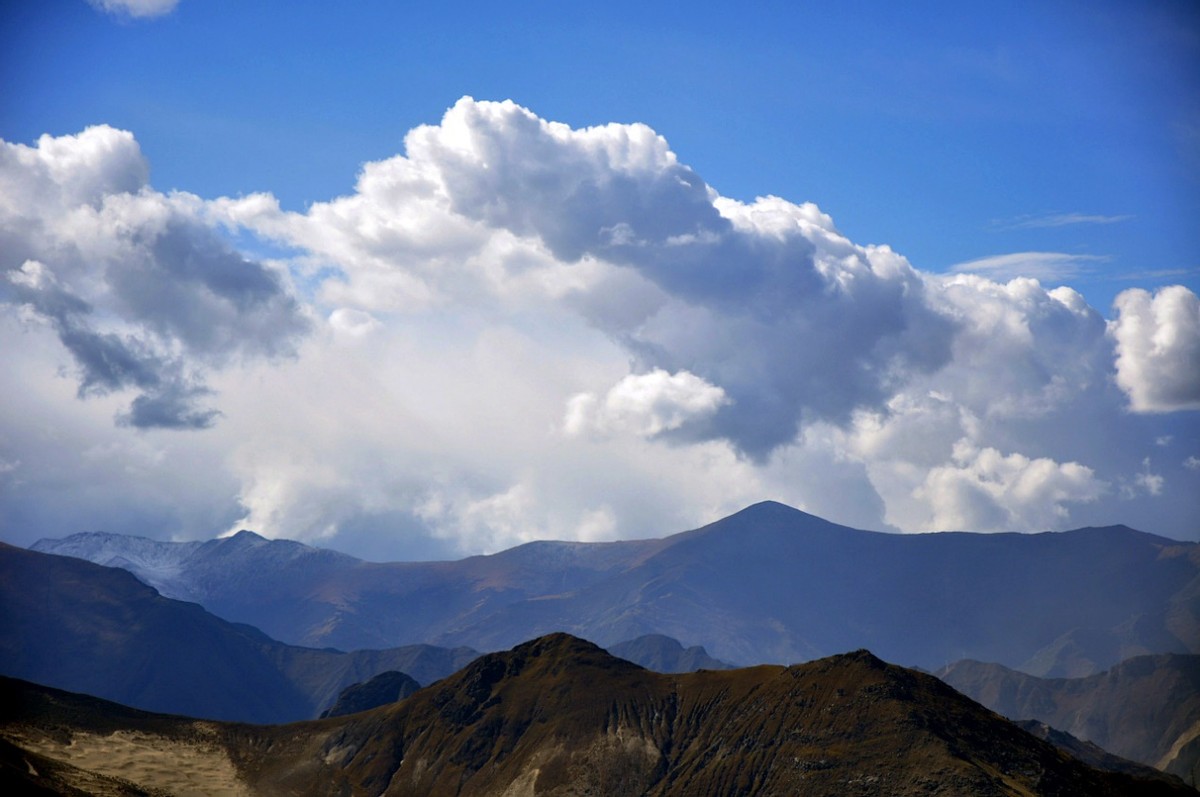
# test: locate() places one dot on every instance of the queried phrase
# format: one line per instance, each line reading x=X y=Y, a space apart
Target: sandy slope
x=181 y=768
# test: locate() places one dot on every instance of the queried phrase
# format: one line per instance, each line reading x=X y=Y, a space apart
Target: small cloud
x=1144 y=481
x=1152 y=483
x=1031 y=222
x=1042 y=266
x=1192 y=463
x=1164 y=440
x=139 y=9
x=645 y=404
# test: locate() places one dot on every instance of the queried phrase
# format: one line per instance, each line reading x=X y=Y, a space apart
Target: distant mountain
x=387 y=687
x=1091 y=754
x=315 y=597
x=664 y=654
x=768 y=584
x=559 y=716
x=1146 y=709
x=68 y=623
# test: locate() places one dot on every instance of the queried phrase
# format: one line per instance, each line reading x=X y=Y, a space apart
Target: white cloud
x=985 y=490
x=1158 y=348
x=645 y=404
x=136 y=8
x=502 y=326
x=1152 y=483
x=497 y=207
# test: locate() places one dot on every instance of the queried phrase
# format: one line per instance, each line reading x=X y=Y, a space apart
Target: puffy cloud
x=136 y=8
x=142 y=293
x=1158 y=348
x=517 y=330
x=766 y=300
x=822 y=350
x=645 y=404
x=985 y=490
x=1021 y=350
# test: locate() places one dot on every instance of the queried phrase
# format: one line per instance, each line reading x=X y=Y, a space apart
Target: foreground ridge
x=559 y=716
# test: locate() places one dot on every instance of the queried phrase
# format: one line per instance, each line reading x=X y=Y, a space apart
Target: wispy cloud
x=1042 y=266
x=1155 y=274
x=1048 y=220
x=136 y=8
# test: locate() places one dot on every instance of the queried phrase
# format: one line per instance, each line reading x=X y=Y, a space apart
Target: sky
x=421 y=283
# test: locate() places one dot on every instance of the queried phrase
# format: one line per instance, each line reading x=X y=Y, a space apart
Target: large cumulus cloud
x=767 y=301
x=142 y=293
x=774 y=320
x=523 y=330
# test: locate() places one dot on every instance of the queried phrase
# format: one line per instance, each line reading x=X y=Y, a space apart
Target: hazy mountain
x=769 y=583
x=1146 y=709
x=315 y=597
x=664 y=654
x=75 y=625
x=559 y=716
x=387 y=687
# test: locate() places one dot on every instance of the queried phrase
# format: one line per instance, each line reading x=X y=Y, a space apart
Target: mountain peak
x=245 y=536
x=773 y=514
x=771 y=509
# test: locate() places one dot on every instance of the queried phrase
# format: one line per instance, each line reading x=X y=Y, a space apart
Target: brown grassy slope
x=559 y=716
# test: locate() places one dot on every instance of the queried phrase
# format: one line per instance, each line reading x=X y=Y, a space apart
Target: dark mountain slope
x=79 y=626
x=769 y=583
x=558 y=716
x=1091 y=754
x=385 y=688
x=1146 y=709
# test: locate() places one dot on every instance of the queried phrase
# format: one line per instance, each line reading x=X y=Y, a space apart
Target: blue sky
x=946 y=130
x=1055 y=140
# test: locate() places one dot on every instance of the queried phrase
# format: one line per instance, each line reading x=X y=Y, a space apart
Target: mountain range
x=768 y=584
x=559 y=716
x=1145 y=709
x=71 y=624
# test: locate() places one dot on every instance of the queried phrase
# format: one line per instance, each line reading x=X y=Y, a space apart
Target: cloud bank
x=517 y=329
